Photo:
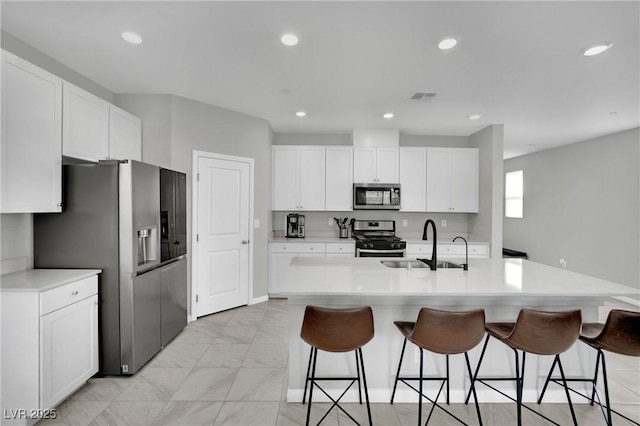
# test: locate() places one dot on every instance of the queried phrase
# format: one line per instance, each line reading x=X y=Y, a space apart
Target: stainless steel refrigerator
x=111 y=220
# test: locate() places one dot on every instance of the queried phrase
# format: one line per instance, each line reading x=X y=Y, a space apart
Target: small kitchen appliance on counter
x=295 y=225
x=377 y=238
x=342 y=227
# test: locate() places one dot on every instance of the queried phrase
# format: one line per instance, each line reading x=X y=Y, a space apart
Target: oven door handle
x=381 y=251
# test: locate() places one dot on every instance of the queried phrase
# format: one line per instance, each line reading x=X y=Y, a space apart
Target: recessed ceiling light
x=132 y=38
x=447 y=43
x=301 y=114
x=474 y=116
x=289 y=39
x=388 y=115
x=595 y=50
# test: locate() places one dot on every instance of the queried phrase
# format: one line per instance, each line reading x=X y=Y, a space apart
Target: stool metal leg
x=595 y=377
x=473 y=389
x=475 y=375
x=566 y=390
x=366 y=391
x=606 y=388
x=519 y=385
x=395 y=384
x=420 y=389
x=314 y=354
x=447 y=356
x=306 y=381
x=358 y=375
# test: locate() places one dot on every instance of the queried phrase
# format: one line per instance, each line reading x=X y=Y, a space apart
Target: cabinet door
x=413 y=179
x=285 y=178
x=364 y=165
x=69 y=349
x=278 y=267
x=31 y=138
x=125 y=135
x=387 y=165
x=85 y=130
x=438 y=179
x=311 y=175
x=464 y=180
x=339 y=178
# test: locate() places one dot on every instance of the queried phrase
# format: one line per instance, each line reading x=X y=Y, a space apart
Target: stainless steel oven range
x=377 y=238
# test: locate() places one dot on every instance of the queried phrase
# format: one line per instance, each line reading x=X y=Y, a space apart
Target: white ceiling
x=517 y=63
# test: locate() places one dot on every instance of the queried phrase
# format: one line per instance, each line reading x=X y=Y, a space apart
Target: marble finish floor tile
x=266 y=355
x=181 y=413
x=129 y=413
x=179 y=355
x=155 y=384
x=206 y=384
x=102 y=389
x=75 y=412
x=225 y=355
x=257 y=384
x=248 y=413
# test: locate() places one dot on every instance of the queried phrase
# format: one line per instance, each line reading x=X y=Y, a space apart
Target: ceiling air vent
x=423 y=96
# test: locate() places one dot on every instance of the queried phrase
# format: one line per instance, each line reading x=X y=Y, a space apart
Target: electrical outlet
x=256 y=223
x=563 y=263
x=405 y=222
x=444 y=223
x=330 y=222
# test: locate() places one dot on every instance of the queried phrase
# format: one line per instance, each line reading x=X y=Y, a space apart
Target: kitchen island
x=501 y=286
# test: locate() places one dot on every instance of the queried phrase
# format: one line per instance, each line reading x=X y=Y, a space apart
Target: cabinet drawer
x=413 y=248
x=297 y=248
x=340 y=248
x=450 y=249
x=67 y=294
x=480 y=250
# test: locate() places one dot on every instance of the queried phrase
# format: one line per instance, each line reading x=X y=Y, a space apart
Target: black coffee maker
x=295 y=225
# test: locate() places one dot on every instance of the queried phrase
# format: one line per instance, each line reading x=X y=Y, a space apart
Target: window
x=513 y=194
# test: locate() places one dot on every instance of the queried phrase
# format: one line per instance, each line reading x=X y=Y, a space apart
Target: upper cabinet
x=31 y=138
x=376 y=165
x=125 y=135
x=85 y=129
x=452 y=180
x=413 y=179
x=298 y=177
x=94 y=129
x=339 y=178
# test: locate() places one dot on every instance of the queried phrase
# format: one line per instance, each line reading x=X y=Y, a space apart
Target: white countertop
x=43 y=279
x=310 y=276
x=329 y=239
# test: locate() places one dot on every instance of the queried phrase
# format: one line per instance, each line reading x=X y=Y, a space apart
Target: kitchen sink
x=443 y=264
x=404 y=264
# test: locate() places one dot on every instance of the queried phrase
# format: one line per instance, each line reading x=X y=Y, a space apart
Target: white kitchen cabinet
x=452 y=180
x=125 y=135
x=85 y=130
x=376 y=165
x=298 y=177
x=340 y=249
x=339 y=178
x=280 y=255
x=31 y=138
x=49 y=341
x=413 y=179
x=448 y=251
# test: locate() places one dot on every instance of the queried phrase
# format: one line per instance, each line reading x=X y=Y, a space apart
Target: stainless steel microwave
x=376 y=196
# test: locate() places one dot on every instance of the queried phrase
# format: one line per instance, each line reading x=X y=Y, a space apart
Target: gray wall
x=581 y=205
x=203 y=127
x=487 y=224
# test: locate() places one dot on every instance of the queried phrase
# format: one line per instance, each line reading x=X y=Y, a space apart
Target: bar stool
x=619 y=334
x=446 y=333
x=536 y=332
x=336 y=330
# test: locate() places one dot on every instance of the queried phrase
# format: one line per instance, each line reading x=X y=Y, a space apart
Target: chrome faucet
x=434 y=256
x=465 y=265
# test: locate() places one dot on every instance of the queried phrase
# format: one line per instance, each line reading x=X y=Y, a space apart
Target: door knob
x=245 y=241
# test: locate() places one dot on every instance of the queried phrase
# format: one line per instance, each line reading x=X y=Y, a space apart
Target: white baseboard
x=257 y=300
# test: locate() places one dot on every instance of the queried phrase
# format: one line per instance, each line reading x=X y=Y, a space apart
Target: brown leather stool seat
x=336 y=330
x=620 y=334
x=442 y=332
x=536 y=332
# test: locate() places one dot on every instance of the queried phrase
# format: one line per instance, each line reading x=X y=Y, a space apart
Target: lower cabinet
x=448 y=251
x=49 y=347
x=280 y=255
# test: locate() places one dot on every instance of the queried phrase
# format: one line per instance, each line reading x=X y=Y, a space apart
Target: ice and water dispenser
x=148 y=246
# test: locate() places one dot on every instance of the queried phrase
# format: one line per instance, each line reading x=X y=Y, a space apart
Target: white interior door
x=223 y=217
